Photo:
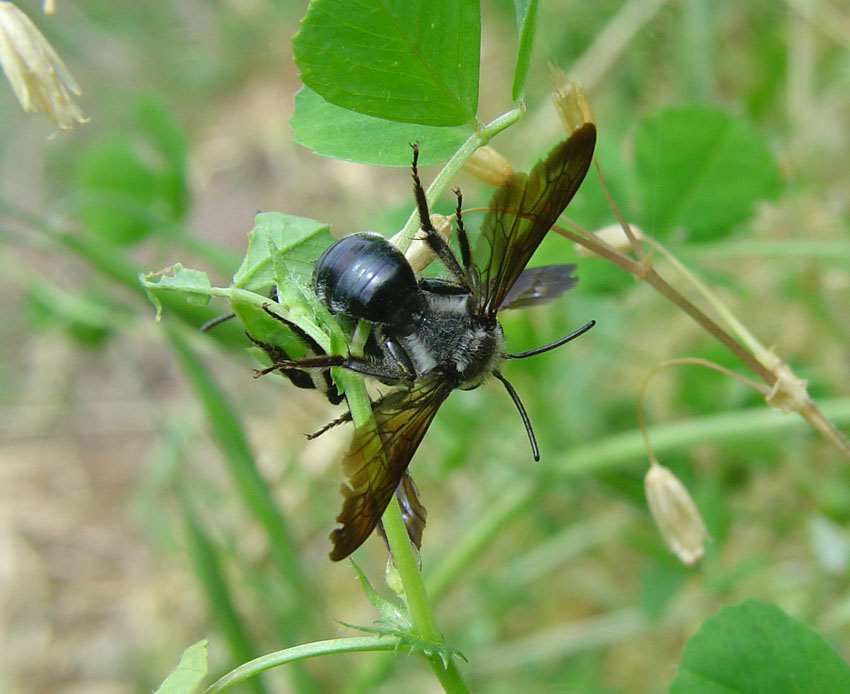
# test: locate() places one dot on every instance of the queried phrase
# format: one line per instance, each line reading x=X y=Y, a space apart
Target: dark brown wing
x=523 y=209
x=413 y=512
x=378 y=458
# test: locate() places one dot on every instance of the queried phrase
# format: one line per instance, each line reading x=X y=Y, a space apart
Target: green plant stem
x=478 y=139
x=421 y=615
x=416 y=597
x=527 y=29
x=419 y=606
x=308 y=650
x=614 y=451
x=405 y=561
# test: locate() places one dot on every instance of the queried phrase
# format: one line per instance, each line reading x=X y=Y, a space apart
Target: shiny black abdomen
x=365 y=276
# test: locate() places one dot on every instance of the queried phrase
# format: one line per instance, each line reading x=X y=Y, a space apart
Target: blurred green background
x=128 y=524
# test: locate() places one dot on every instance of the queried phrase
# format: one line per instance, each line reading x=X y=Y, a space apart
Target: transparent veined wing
x=537 y=285
x=378 y=458
x=522 y=210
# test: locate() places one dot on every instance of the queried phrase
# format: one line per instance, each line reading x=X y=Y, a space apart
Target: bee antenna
x=535 y=451
x=557 y=343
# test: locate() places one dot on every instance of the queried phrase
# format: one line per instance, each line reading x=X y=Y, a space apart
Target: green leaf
x=701 y=169
x=118 y=191
x=526 y=15
x=193 y=283
x=87 y=316
x=133 y=182
x=393 y=612
x=209 y=568
x=185 y=678
x=163 y=131
x=337 y=132
x=412 y=61
x=282 y=250
x=299 y=239
x=754 y=648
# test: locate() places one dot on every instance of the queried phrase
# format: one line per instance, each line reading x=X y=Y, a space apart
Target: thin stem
x=649 y=275
x=633 y=242
x=764 y=390
x=767 y=365
x=308 y=650
x=408 y=569
x=762 y=354
x=584 y=237
x=655 y=280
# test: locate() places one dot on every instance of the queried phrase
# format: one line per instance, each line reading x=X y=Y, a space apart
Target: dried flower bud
x=38 y=76
x=675 y=514
x=419 y=253
x=488 y=166
x=614 y=236
x=570 y=101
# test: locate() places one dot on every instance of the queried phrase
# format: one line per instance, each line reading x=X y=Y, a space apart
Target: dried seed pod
x=675 y=514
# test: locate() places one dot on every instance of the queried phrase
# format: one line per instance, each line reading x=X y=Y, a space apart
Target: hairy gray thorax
x=448 y=337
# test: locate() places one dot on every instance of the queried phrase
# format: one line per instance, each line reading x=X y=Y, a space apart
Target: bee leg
x=301 y=334
x=463 y=238
x=300 y=379
x=432 y=238
x=342 y=419
x=346 y=417
x=323 y=381
x=383 y=372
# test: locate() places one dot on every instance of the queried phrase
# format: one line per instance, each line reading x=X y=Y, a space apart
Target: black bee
x=432 y=336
